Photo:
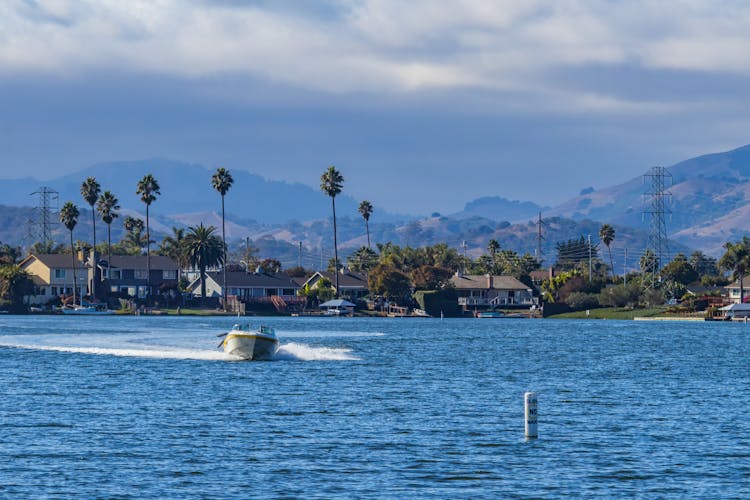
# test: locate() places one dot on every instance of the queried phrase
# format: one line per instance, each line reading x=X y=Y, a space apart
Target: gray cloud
x=464 y=98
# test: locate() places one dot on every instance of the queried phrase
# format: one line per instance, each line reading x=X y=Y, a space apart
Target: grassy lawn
x=613 y=313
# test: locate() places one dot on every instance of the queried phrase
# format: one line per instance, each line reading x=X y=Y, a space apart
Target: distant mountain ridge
x=710 y=201
x=499 y=208
x=710 y=206
x=186 y=188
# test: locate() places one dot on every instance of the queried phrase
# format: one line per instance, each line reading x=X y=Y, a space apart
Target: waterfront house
x=128 y=274
x=733 y=290
x=352 y=285
x=278 y=289
x=488 y=291
x=52 y=275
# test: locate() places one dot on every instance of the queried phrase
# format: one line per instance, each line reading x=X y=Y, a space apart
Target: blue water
x=146 y=407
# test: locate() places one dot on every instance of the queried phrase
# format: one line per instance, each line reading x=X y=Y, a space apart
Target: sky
x=421 y=105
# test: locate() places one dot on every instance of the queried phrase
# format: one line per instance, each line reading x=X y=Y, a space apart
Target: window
x=114 y=274
x=140 y=274
x=169 y=274
x=53 y=290
x=59 y=274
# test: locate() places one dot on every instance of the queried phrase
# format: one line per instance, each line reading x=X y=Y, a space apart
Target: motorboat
x=491 y=314
x=249 y=344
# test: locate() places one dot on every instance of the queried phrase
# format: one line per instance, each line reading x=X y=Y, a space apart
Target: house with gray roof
x=351 y=284
x=129 y=274
x=733 y=290
x=278 y=289
x=488 y=291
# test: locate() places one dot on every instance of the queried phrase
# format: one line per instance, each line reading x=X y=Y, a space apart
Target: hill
x=710 y=201
x=186 y=188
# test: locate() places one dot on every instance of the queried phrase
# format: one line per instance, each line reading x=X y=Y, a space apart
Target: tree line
x=582 y=277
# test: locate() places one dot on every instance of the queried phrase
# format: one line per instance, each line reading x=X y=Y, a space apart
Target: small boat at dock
x=490 y=314
x=86 y=311
x=249 y=344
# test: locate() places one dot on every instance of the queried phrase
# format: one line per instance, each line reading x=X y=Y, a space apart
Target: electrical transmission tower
x=44 y=218
x=658 y=198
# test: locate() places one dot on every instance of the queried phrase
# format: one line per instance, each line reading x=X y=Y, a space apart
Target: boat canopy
x=337 y=303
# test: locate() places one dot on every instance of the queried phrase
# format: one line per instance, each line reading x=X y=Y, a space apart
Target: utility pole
x=589 y=258
x=299 y=257
x=463 y=245
x=658 y=198
x=625 y=268
x=539 y=238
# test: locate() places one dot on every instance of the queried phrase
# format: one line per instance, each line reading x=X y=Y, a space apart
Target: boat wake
x=302 y=352
x=137 y=347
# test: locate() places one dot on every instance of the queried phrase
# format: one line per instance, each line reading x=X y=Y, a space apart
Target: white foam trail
x=136 y=353
x=302 y=352
x=138 y=346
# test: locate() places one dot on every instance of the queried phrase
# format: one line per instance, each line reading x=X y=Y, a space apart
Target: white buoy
x=530 y=414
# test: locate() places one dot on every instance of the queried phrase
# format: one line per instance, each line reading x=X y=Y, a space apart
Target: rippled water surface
x=148 y=407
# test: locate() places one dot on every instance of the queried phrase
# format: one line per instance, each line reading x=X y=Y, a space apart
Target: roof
x=348 y=279
x=241 y=279
x=337 y=303
x=745 y=283
x=735 y=307
x=480 y=282
x=54 y=260
x=540 y=274
x=158 y=262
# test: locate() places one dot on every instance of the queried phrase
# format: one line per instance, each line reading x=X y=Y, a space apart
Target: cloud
x=383 y=46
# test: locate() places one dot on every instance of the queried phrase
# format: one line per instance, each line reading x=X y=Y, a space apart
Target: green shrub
x=580 y=300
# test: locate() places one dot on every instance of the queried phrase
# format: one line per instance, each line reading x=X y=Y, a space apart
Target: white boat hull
x=88 y=311
x=250 y=345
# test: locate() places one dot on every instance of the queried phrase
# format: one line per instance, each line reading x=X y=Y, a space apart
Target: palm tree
x=493 y=246
x=365 y=208
x=222 y=181
x=134 y=239
x=133 y=224
x=69 y=217
x=607 y=235
x=172 y=247
x=203 y=249
x=90 y=190
x=331 y=183
x=737 y=260
x=148 y=188
x=107 y=206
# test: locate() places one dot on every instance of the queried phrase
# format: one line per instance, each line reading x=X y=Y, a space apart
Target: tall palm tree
x=203 y=249
x=69 y=217
x=107 y=206
x=737 y=259
x=90 y=190
x=331 y=183
x=148 y=188
x=222 y=181
x=607 y=235
x=365 y=208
